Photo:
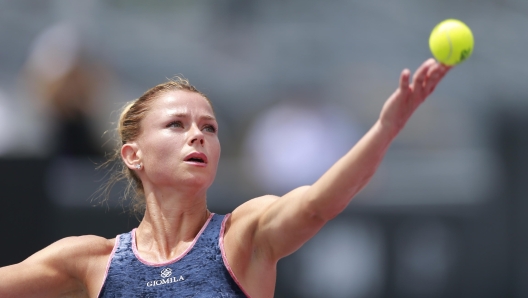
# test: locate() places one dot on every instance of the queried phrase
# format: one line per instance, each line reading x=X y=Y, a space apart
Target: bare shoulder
x=243 y=221
x=84 y=258
x=81 y=257
x=246 y=217
x=252 y=264
x=84 y=245
x=253 y=206
x=74 y=249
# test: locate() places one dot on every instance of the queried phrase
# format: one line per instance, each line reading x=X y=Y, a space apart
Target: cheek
x=217 y=150
x=161 y=149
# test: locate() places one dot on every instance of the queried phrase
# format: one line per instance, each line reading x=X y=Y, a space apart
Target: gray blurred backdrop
x=294 y=84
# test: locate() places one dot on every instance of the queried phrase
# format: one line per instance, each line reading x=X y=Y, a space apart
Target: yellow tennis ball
x=451 y=42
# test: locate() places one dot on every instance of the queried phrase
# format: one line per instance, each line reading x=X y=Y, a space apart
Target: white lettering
x=160 y=282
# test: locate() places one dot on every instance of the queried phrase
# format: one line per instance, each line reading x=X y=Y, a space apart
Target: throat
x=159 y=254
x=161 y=241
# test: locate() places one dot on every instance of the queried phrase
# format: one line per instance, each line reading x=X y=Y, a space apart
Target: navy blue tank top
x=201 y=271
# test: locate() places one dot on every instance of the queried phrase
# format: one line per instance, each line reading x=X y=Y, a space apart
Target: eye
x=210 y=128
x=175 y=124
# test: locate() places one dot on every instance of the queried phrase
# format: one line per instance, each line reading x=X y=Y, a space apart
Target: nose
x=196 y=136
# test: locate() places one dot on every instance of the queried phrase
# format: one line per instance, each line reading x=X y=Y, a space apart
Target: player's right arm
x=58 y=270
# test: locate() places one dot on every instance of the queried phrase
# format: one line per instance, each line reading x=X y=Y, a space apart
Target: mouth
x=196 y=158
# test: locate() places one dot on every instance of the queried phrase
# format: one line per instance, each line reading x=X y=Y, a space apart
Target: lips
x=196 y=157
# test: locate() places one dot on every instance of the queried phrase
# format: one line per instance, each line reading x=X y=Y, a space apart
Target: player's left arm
x=286 y=223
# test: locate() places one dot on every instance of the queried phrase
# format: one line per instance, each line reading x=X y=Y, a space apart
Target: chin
x=198 y=181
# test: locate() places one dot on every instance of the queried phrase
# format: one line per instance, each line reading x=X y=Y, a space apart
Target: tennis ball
x=451 y=42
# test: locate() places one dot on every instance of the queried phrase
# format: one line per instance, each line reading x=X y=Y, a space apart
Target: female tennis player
x=170 y=149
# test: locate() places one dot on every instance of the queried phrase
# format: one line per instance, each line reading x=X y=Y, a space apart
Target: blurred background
x=294 y=84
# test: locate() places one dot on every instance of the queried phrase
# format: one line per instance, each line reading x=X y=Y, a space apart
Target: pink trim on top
x=134 y=247
x=226 y=263
x=116 y=244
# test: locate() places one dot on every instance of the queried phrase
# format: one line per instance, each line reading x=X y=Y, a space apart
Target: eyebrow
x=185 y=115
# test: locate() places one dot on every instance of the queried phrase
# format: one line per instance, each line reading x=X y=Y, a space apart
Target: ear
x=131 y=155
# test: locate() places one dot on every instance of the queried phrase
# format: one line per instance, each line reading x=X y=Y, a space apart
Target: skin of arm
x=70 y=267
x=283 y=224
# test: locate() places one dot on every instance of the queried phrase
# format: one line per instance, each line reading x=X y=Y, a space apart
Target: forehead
x=180 y=101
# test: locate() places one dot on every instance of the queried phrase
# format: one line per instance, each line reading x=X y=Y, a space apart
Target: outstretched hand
x=406 y=99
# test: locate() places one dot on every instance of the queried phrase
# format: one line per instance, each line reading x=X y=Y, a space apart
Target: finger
x=404 y=81
x=440 y=68
x=404 y=78
x=437 y=73
x=419 y=78
x=433 y=74
x=434 y=81
x=435 y=68
x=426 y=65
x=421 y=72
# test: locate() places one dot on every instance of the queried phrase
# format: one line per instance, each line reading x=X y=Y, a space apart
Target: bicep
x=41 y=275
x=287 y=223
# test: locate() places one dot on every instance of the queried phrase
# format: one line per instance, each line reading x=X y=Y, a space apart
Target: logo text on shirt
x=166 y=279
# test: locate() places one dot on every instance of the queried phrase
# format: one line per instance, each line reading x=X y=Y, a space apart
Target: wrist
x=386 y=129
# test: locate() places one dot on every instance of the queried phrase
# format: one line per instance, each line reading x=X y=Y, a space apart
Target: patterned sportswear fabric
x=199 y=272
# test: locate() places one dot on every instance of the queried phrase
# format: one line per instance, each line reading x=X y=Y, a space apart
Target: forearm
x=329 y=195
x=334 y=190
x=304 y=211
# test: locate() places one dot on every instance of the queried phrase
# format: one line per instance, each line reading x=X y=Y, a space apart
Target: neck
x=171 y=222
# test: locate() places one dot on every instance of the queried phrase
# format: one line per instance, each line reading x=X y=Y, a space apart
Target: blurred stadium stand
x=445 y=215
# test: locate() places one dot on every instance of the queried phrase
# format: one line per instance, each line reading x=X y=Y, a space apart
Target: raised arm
x=336 y=188
x=284 y=224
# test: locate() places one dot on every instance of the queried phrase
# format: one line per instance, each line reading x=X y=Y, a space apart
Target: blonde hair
x=129 y=129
